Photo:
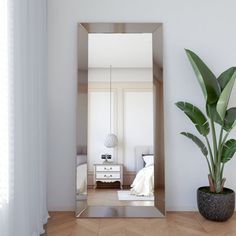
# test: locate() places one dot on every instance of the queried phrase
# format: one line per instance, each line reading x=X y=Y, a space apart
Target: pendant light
x=111 y=140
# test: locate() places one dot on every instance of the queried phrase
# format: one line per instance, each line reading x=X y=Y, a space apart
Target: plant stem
x=218 y=166
x=221 y=136
x=217 y=180
x=211 y=156
x=214 y=140
x=222 y=144
x=222 y=170
x=225 y=137
x=214 y=144
x=209 y=166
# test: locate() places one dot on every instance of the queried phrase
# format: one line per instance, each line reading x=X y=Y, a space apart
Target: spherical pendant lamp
x=111 y=141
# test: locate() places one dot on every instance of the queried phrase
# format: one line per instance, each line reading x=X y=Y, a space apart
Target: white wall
x=132 y=122
x=99 y=125
x=120 y=74
x=207 y=27
x=138 y=124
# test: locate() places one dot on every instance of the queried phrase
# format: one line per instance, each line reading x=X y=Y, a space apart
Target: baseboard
x=181 y=208
x=62 y=209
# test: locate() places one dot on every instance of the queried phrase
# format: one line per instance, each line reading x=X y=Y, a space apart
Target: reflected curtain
x=23 y=209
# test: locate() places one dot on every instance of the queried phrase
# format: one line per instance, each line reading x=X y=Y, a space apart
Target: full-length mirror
x=120 y=125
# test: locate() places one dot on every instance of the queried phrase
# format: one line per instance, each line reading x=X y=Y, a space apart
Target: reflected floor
x=109 y=197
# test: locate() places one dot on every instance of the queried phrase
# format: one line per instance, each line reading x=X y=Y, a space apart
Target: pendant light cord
x=110 y=97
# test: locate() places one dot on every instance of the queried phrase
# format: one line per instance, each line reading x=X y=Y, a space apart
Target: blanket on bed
x=143 y=183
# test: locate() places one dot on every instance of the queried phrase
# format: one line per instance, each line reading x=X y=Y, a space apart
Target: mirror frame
x=83 y=210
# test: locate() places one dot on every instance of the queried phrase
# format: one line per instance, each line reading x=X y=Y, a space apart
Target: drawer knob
x=107 y=168
x=108 y=176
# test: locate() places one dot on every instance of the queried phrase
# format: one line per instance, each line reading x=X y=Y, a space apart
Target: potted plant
x=215 y=202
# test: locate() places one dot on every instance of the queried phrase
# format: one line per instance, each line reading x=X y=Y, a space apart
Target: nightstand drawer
x=107 y=175
x=108 y=168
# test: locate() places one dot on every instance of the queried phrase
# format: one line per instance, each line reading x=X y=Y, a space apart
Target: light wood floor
x=109 y=197
x=175 y=224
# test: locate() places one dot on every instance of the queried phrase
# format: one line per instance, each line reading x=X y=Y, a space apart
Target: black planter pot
x=216 y=206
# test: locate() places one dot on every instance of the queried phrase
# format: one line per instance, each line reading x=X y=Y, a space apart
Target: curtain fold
x=30 y=116
x=24 y=210
x=6 y=118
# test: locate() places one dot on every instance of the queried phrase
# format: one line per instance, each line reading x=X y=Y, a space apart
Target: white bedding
x=82 y=179
x=143 y=183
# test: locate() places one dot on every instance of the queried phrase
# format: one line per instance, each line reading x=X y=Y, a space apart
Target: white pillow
x=148 y=159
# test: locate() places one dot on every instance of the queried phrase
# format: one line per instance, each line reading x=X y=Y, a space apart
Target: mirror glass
x=120 y=135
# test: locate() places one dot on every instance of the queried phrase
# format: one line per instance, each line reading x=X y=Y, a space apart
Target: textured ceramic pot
x=216 y=206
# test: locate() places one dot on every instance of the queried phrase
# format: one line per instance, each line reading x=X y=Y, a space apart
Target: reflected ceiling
x=120 y=50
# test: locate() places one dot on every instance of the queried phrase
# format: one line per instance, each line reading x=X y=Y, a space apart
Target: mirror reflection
x=120 y=120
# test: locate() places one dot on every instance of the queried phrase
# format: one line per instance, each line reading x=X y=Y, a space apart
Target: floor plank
x=109 y=197
x=175 y=224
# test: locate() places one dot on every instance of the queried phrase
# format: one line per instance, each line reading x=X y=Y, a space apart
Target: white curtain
x=6 y=120
x=23 y=193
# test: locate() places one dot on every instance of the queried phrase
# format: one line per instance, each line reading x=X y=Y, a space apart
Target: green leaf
x=212 y=113
x=207 y=80
x=223 y=100
x=228 y=150
x=225 y=77
x=196 y=116
x=197 y=141
x=230 y=119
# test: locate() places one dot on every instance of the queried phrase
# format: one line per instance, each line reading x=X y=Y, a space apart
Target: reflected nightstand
x=108 y=173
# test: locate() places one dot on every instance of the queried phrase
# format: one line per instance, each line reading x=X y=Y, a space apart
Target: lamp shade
x=111 y=140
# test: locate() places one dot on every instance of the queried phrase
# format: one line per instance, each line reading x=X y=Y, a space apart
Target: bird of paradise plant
x=216 y=90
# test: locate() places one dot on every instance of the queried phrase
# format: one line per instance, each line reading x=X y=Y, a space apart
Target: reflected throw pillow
x=148 y=159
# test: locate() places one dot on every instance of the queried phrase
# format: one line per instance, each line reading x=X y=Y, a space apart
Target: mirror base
x=120 y=211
